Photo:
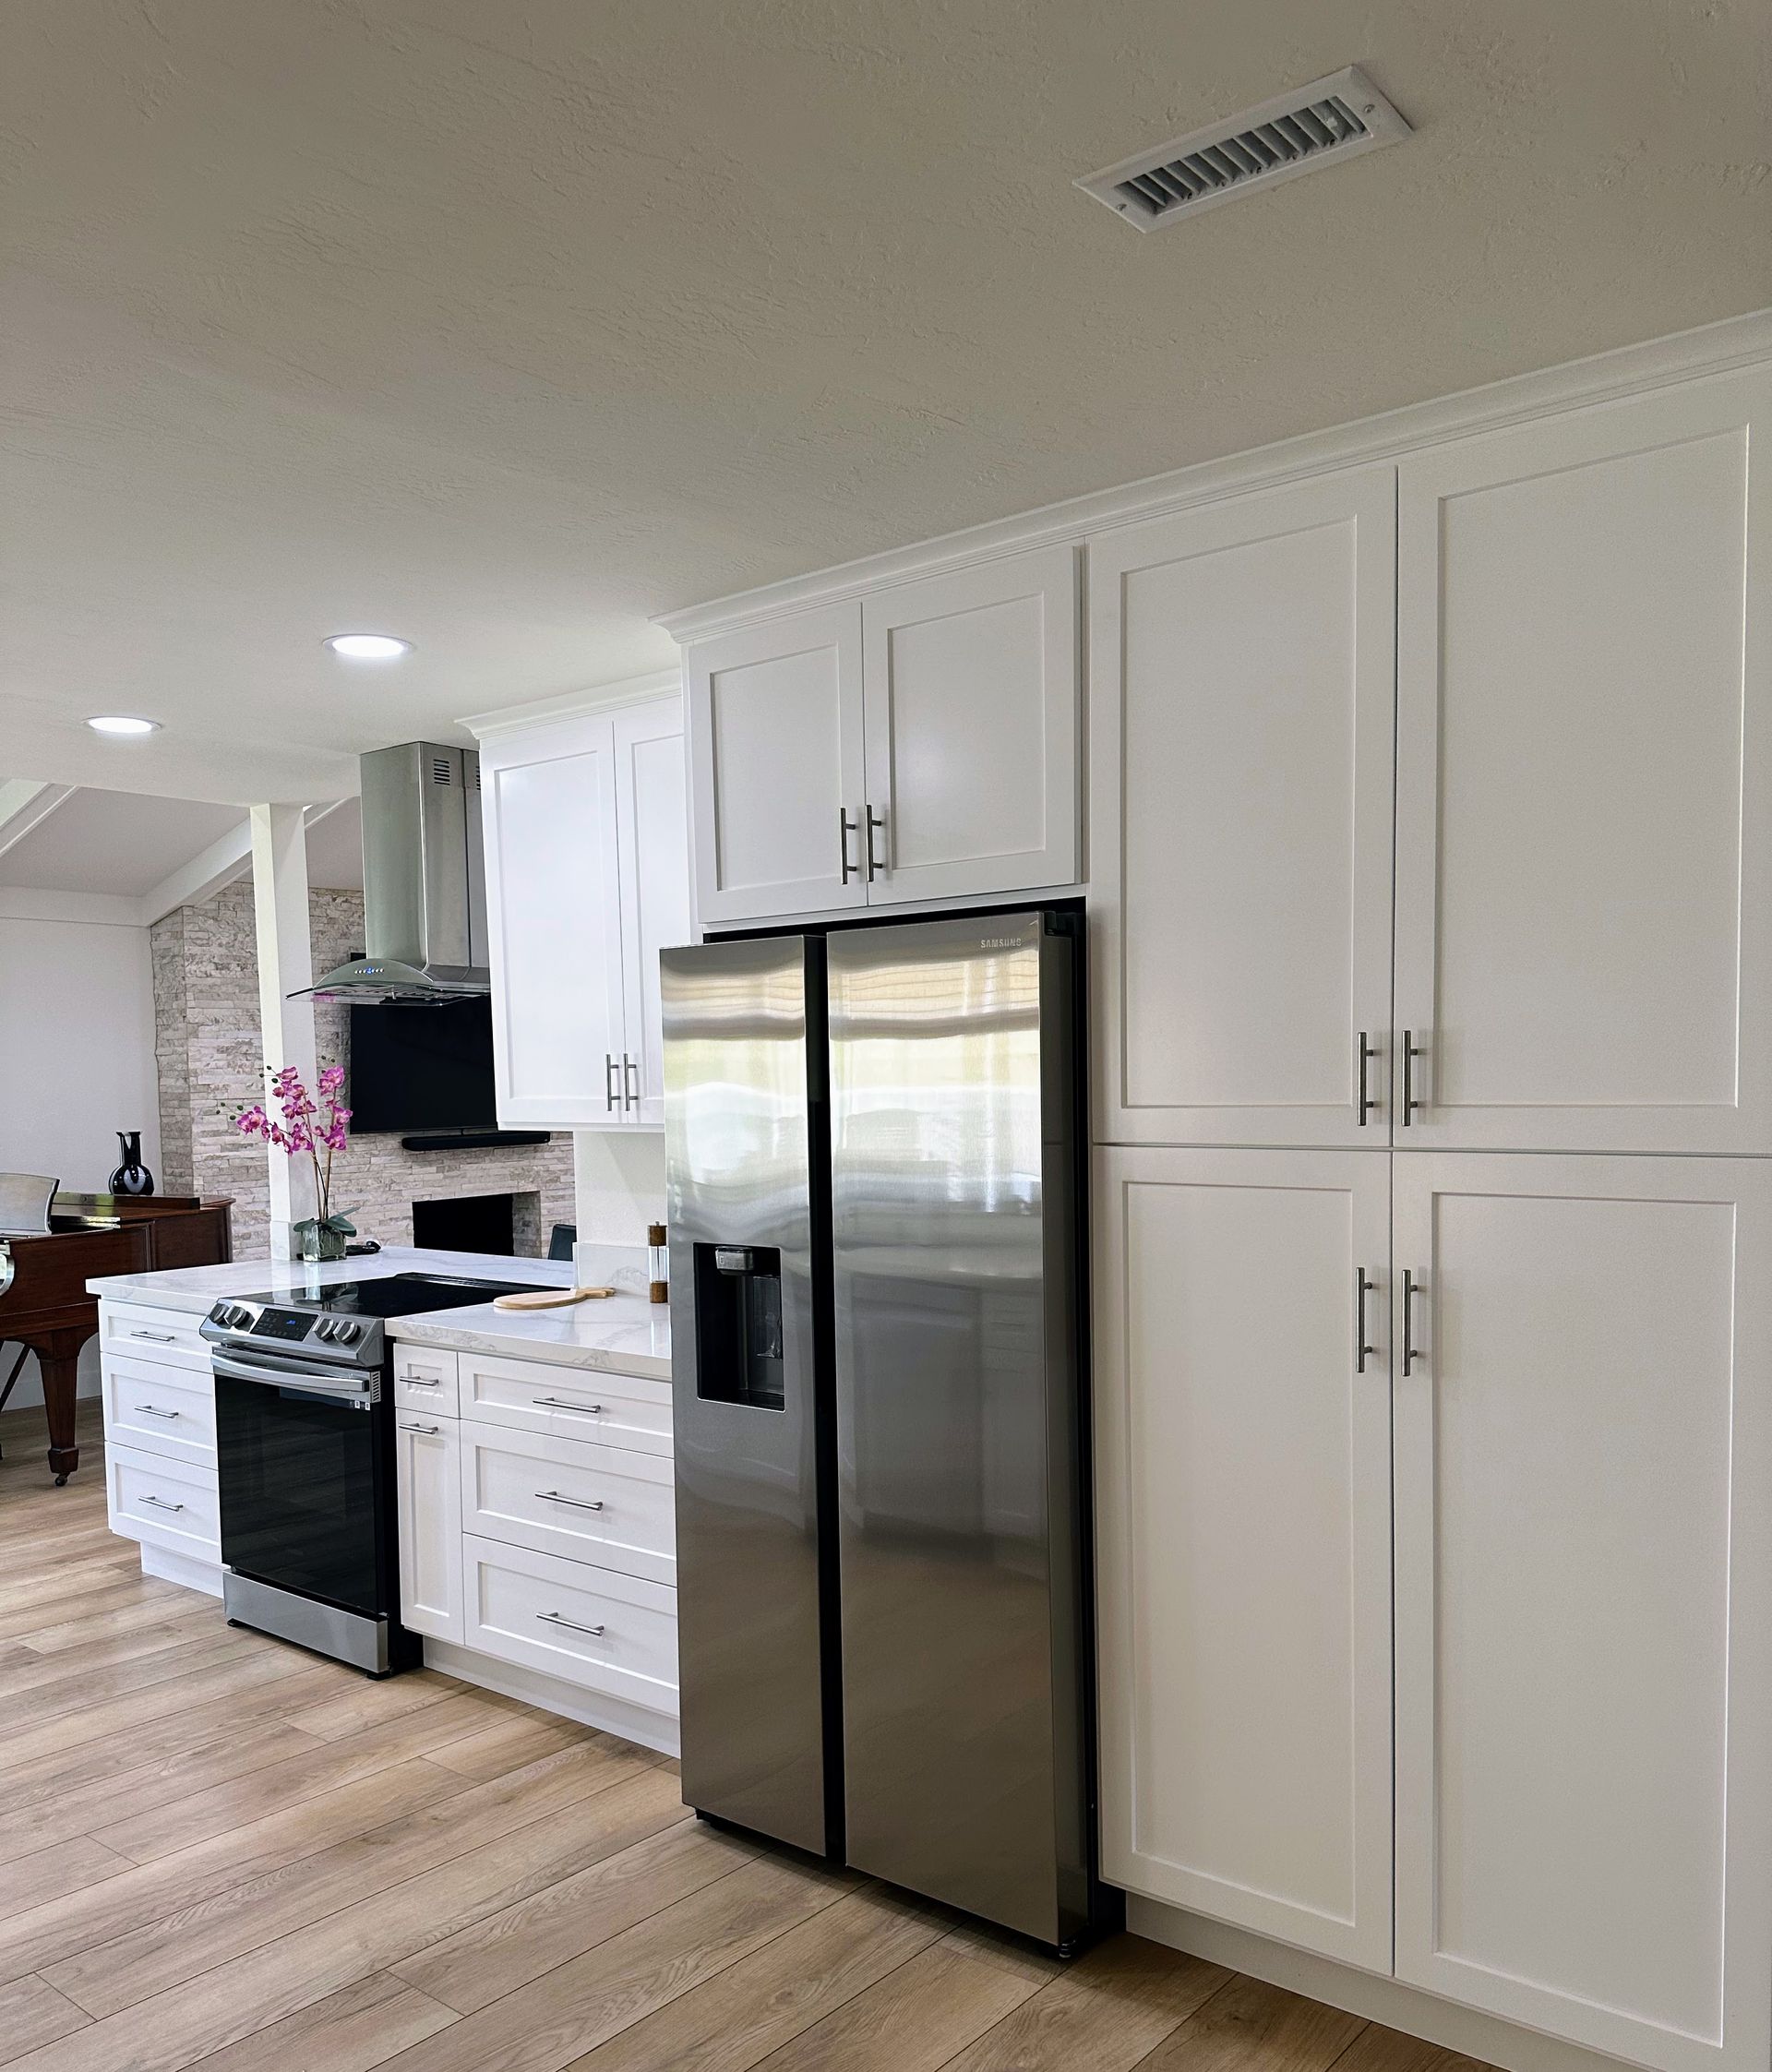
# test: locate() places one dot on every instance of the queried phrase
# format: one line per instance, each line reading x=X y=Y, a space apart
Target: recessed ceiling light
x=122 y=723
x=368 y=647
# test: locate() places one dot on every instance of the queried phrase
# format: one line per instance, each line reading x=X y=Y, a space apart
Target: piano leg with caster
x=58 y=1355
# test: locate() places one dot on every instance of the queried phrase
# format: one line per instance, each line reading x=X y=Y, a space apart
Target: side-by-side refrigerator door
x=952 y=1123
x=742 y=1078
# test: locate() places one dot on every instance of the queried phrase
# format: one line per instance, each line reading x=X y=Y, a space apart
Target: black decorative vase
x=132 y=1177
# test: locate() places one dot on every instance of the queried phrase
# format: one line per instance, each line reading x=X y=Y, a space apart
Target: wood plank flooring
x=217 y=1850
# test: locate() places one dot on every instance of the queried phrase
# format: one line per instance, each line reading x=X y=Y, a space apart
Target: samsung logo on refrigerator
x=1001 y=943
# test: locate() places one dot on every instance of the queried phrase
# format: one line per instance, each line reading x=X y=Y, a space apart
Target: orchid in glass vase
x=308 y=1128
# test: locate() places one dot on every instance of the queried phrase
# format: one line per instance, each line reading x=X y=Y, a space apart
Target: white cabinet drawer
x=169 y=1336
x=571 y=1497
x=168 y=1503
x=588 y=1626
x=168 y=1410
x=620 y=1409
x=424 y=1379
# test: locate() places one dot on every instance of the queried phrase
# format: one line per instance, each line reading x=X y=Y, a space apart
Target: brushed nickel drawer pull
x=161 y=1504
x=430 y=1430
x=415 y=1381
x=157 y=1338
x=559 y=1403
x=148 y=1411
x=578 y=1502
x=559 y=1619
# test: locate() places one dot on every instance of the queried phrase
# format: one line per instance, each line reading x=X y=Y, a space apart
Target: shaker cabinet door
x=1243 y=1472
x=775 y=758
x=971 y=722
x=554 y=921
x=1584 y=1598
x=1584 y=930
x=1241 y=713
x=428 y=1457
x=652 y=811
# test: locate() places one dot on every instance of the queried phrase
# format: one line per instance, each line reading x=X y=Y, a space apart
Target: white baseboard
x=1407 y=2007
x=180 y=1568
x=550 y=1693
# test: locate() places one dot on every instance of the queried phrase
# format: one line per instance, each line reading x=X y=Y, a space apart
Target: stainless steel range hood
x=424 y=881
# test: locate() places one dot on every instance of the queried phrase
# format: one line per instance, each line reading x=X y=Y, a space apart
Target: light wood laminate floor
x=216 y=1850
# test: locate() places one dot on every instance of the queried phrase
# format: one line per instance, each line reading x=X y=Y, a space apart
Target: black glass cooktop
x=396 y=1295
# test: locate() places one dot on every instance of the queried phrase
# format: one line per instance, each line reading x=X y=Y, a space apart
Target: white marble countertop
x=622 y=1334
x=625 y=1333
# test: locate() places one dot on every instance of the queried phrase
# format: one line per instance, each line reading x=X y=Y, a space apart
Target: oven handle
x=359 y=1391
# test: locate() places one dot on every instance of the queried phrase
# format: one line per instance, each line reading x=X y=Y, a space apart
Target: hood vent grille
x=1330 y=119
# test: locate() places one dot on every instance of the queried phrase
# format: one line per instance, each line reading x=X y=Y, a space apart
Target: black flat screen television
x=422 y=1067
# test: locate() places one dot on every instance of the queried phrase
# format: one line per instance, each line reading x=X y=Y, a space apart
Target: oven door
x=300 y=1467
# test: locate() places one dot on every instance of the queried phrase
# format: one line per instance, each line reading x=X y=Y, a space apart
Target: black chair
x=561 y=1239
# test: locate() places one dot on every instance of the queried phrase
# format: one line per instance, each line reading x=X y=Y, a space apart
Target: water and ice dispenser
x=739 y=1326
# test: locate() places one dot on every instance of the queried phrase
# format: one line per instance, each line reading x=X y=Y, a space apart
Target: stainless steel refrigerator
x=872 y=1147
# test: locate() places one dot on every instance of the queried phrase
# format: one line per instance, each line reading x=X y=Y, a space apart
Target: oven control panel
x=310 y=1329
x=288 y=1325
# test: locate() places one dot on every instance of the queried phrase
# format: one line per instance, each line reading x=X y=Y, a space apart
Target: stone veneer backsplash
x=207 y=1047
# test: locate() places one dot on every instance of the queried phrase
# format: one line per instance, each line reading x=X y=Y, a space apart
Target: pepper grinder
x=658 y=1264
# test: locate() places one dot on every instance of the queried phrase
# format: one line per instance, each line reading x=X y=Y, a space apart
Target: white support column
x=285 y=966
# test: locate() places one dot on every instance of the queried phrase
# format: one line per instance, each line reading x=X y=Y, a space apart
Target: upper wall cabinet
x=774 y=715
x=1242 y=690
x=1583 y=931
x=970 y=722
x=587 y=879
x=920 y=744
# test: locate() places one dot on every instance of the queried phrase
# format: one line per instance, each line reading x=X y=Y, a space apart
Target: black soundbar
x=476 y=1139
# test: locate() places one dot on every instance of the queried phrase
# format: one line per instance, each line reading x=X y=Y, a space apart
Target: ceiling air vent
x=1329 y=120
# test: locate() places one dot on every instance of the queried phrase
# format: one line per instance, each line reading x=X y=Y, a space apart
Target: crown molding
x=1714 y=349
x=577 y=705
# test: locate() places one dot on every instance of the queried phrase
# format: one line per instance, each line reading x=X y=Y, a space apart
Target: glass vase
x=314 y=1242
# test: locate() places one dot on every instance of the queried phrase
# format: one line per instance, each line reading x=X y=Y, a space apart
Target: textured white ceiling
x=503 y=327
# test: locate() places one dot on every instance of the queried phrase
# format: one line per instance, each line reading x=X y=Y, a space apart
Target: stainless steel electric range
x=303 y=1402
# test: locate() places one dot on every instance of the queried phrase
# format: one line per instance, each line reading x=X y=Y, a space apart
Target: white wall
x=77 y=1065
x=620 y=1180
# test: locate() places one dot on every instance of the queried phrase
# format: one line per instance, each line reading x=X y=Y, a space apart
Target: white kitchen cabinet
x=918 y=744
x=427 y=1453
x=1584 y=1598
x=1241 y=705
x=586 y=847
x=1243 y=1465
x=969 y=693
x=652 y=846
x=1583 y=932
x=775 y=764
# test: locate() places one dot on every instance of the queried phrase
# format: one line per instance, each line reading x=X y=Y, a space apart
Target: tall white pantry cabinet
x=1430 y=882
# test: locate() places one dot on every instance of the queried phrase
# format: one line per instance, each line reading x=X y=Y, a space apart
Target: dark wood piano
x=44 y=1307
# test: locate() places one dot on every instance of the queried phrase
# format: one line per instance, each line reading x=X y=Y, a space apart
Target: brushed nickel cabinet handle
x=429 y=1431
x=845 y=828
x=875 y=864
x=418 y=1381
x=148 y=1410
x=608 y=1083
x=1411 y=1051
x=578 y=1502
x=1369 y=1103
x=630 y=1082
x=1363 y=1285
x=559 y=1619
x=560 y=1403
x=1411 y=1351
x=160 y=1503
x=154 y=1338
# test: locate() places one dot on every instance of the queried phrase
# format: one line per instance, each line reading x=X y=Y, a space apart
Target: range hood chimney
x=424 y=881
